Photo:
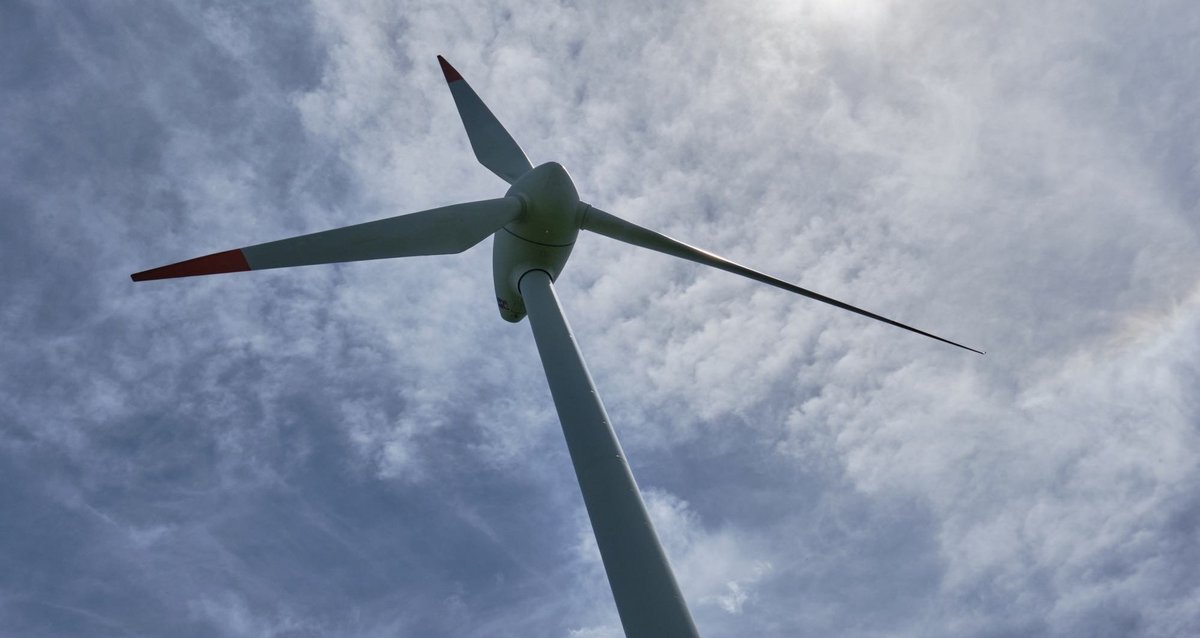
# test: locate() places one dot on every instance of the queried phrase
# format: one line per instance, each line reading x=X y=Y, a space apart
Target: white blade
x=609 y=225
x=493 y=146
x=440 y=231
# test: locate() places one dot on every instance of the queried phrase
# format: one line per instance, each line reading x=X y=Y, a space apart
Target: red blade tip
x=228 y=261
x=449 y=71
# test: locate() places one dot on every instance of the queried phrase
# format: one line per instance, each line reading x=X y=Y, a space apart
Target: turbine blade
x=612 y=226
x=493 y=146
x=440 y=231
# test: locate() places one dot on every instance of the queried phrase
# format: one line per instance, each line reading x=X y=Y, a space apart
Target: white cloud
x=1021 y=178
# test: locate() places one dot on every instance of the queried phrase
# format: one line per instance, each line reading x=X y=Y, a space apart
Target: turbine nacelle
x=540 y=238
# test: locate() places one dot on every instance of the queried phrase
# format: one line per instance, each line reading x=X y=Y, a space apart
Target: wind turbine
x=534 y=227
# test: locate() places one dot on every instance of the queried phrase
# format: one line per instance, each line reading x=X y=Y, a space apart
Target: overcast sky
x=370 y=450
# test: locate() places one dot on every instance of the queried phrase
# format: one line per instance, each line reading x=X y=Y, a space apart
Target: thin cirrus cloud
x=368 y=450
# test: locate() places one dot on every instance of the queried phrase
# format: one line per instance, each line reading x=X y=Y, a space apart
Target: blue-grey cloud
x=368 y=450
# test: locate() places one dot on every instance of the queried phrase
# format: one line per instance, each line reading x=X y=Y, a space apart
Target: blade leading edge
x=440 y=231
x=612 y=226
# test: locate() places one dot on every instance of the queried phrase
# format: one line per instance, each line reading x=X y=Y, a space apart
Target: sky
x=370 y=450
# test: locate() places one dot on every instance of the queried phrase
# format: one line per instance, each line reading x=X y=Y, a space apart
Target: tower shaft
x=643 y=585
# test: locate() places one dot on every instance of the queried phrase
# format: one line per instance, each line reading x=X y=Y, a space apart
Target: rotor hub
x=551 y=202
x=540 y=238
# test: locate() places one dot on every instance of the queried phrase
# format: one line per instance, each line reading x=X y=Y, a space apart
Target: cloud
x=367 y=449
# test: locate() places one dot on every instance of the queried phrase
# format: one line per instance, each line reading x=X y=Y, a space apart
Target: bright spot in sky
x=858 y=14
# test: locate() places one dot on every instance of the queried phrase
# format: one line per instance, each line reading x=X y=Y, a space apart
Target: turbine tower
x=534 y=227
